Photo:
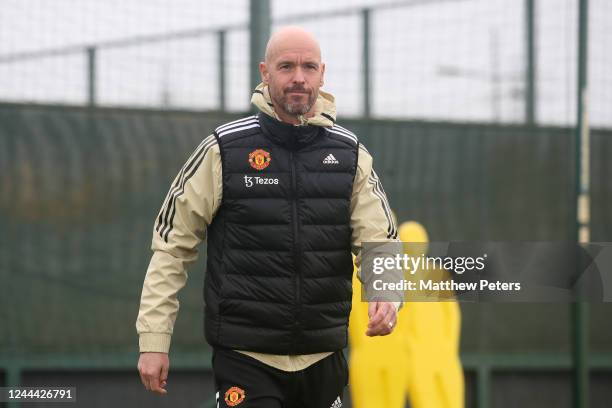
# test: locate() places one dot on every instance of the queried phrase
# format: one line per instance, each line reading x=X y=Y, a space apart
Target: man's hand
x=383 y=316
x=153 y=369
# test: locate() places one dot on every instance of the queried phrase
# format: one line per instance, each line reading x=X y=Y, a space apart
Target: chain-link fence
x=468 y=107
x=504 y=61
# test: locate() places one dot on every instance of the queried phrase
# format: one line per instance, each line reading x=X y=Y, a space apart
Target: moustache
x=297 y=89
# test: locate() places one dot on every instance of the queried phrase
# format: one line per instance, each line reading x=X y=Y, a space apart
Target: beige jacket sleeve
x=189 y=207
x=371 y=217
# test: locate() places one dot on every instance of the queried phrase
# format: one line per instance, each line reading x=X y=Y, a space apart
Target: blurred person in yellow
x=420 y=360
x=377 y=364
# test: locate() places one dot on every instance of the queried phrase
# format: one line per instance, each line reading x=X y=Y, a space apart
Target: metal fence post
x=366 y=84
x=483 y=386
x=91 y=76
x=13 y=379
x=580 y=310
x=221 y=68
x=259 y=27
x=530 y=77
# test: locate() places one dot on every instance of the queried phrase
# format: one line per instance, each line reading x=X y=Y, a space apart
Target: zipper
x=296 y=248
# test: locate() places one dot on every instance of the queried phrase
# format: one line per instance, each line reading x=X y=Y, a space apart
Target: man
x=284 y=196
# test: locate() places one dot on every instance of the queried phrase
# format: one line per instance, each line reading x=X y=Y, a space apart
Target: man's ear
x=322 y=74
x=265 y=74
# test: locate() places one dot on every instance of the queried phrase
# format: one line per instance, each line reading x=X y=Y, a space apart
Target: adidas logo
x=330 y=159
x=337 y=403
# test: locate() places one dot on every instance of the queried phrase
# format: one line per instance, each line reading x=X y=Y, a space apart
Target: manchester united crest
x=234 y=396
x=259 y=159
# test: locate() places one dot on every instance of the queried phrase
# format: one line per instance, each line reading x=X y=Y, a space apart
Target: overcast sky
x=436 y=60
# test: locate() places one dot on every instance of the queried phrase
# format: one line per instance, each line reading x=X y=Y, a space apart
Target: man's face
x=294 y=77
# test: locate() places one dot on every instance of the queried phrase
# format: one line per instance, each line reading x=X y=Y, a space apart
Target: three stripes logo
x=330 y=159
x=337 y=403
x=165 y=219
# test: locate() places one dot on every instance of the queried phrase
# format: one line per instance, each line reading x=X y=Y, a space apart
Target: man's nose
x=298 y=76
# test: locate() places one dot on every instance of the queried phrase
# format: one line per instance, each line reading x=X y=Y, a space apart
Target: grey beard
x=304 y=108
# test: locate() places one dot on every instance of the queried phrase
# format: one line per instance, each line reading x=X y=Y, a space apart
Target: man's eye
x=284 y=66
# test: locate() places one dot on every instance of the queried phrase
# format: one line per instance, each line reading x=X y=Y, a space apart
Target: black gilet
x=279 y=262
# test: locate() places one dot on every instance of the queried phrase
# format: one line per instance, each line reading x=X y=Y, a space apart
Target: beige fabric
x=287 y=363
x=167 y=271
x=325 y=104
x=194 y=211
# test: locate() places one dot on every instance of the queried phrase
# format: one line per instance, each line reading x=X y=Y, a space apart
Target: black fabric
x=242 y=381
x=279 y=262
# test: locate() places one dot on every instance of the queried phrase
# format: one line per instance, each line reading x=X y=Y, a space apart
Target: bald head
x=293 y=72
x=291 y=38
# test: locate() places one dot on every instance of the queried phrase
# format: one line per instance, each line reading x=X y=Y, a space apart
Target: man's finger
x=381 y=330
x=155 y=384
x=151 y=380
x=386 y=325
x=158 y=389
x=372 y=306
x=163 y=379
x=145 y=382
x=142 y=378
x=381 y=311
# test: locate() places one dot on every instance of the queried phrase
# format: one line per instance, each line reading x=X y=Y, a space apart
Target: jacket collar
x=286 y=134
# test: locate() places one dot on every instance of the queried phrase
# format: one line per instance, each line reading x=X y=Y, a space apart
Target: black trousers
x=244 y=382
